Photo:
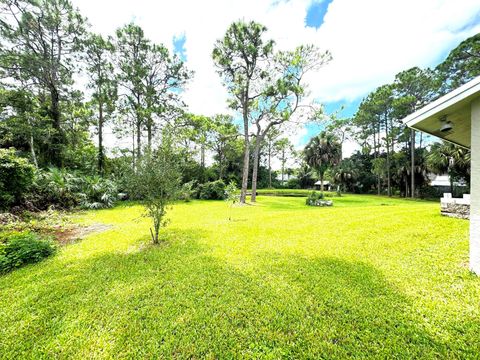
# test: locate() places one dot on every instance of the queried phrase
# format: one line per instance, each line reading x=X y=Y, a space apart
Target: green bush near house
x=19 y=249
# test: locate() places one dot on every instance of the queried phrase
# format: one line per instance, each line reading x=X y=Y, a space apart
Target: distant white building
x=286 y=177
x=443 y=181
x=326 y=185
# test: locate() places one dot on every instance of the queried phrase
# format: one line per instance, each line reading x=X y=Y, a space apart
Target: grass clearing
x=370 y=277
x=290 y=192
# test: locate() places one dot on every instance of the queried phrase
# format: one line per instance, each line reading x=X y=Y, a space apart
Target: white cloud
x=370 y=40
x=373 y=40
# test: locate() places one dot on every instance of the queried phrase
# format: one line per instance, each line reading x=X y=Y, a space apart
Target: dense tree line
x=65 y=90
x=46 y=49
x=394 y=158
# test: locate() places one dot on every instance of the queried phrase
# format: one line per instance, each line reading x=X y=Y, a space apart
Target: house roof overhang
x=453 y=108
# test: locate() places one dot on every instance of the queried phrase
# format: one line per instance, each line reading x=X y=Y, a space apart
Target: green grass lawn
x=289 y=192
x=370 y=277
x=292 y=192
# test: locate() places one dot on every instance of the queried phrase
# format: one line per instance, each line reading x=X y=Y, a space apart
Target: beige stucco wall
x=475 y=190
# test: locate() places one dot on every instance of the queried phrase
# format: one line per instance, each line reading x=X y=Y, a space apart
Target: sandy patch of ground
x=71 y=235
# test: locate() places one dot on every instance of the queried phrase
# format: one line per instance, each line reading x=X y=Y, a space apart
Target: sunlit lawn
x=370 y=277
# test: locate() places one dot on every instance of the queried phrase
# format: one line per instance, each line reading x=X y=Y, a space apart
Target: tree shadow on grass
x=347 y=309
x=178 y=300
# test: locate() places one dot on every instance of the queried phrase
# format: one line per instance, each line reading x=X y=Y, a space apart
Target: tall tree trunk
x=389 y=184
x=246 y=158
x=133 y=146
x=149 y=133
x=389 y=189
x=139 y=127
x=375 y=156
x=220 y=167
x=202 y=161
x=32 y=151
x=412 y=162
x=256 y=158
x=392 y=140
x=283 y=165
x=269 y=166
x=101 y=155
x=58 y=139
x=450 y=177
x=202 y=156
x=31 y=143
x=139 y=139
x=321 y=183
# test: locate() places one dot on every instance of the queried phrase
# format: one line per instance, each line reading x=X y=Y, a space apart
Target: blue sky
x=345 y=107
x=314 y=18
x=179 y=46
x=370 y=40
x=316 y=12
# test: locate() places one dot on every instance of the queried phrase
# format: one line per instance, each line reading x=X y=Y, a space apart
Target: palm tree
x=304 y=175
x=345 y=173
x=403 y=170
x=451 y=159
x=323 y=152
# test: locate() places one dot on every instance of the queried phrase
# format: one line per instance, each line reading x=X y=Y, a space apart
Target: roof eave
x=460 y=94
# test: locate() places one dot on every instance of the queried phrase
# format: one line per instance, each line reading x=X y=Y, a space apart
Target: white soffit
x=455 y=106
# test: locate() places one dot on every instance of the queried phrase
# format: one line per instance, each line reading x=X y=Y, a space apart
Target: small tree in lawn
x=231 y=196
x=157 y=181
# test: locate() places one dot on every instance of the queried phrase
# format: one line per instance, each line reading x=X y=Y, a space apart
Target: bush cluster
x=294 y=184
x=18 y=249
x=213 y=190
x=188 y=191
x=314 y=196
x=16 y=177
x=21 y=184
x=317 y=199
x=64 y=189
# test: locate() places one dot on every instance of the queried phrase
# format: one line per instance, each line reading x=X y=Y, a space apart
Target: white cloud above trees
x=370 y=40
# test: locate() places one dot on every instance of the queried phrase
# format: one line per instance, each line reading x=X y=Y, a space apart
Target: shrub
x=64 y=189
x=316 y=199
x=314 y=196
x=293 y=184
x=97 y=193
x=188 y=191
x=56 y=187
x=214 y=190
x=19 y=249
x=16 y=177
x=430 y=192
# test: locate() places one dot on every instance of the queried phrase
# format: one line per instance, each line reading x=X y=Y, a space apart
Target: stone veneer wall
x=460 y=211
